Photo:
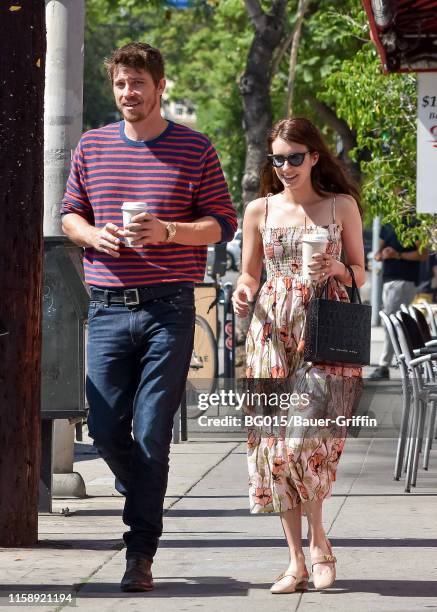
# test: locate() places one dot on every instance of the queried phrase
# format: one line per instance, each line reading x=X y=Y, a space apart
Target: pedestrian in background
x=303 y=189
x=400 y=275
x=141 y=316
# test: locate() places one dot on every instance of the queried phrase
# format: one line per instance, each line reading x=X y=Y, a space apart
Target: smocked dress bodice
x=283 y=248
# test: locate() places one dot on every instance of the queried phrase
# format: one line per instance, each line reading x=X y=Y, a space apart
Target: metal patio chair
x=428 y=338
x=431 y=317
x=406 y=395
x=422 y=395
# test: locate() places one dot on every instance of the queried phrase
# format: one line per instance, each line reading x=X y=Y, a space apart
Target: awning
x=405 y=33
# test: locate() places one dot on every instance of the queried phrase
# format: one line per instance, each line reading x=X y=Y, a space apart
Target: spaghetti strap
x=333 y=208
x=266 y=208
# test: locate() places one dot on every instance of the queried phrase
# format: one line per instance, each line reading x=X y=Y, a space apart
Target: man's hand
x=106 y=239
x=145 y=228
x=389 y=253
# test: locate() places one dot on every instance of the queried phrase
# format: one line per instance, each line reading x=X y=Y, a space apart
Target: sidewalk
x=214 y=556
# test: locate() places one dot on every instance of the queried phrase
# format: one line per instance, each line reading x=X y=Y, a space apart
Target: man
x=400 y=275
x=141 y=317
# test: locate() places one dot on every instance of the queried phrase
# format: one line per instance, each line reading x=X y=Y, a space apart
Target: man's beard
x=135 y=118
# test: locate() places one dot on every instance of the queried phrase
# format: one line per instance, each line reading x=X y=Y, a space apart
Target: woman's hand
x=241 y=298
x=324 y=265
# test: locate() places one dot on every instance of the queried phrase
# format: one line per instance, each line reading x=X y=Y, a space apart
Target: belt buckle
x=131 y=301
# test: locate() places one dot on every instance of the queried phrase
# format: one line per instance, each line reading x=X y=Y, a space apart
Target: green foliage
x=213 y=58
x=329 y=35
x=382 y=111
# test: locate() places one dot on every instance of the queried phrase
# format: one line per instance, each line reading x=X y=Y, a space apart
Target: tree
x=330 y=34
x=21 y=195
x=295 y=38
x=210 y=64
x=255 y=88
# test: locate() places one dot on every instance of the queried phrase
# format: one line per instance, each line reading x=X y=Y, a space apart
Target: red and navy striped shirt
x=178 y=174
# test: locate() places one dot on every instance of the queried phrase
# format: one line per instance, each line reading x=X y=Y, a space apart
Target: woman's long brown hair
x=327 y=176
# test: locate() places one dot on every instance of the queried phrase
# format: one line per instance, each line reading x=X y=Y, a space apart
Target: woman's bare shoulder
x=255 y=209
x=257 y=205
x=343 y=200
x=346 y=207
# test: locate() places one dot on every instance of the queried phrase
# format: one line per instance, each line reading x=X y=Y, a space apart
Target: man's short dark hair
x=140 y=56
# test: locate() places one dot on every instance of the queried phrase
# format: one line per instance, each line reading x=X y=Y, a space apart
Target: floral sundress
x=288 y=464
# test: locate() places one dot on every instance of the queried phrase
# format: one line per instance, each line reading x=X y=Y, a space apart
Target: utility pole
x=376 y=274
x=22 y=49
x=63 y=102
x=62 y=130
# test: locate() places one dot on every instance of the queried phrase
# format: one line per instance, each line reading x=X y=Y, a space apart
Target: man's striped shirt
x=178 y=174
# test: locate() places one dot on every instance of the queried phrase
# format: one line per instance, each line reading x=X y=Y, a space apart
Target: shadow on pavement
x=280 y=542
x=387 y=588
x=84 y=452
x=80 y=544
x=224 y=586
x=117 y=544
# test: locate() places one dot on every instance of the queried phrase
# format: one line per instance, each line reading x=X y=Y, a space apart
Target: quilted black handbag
x=338 y=332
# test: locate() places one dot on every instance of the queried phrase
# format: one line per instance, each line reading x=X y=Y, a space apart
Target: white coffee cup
x=130 y=209
x=311 y=244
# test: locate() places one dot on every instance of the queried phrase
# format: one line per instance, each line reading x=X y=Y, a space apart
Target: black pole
x=228 y=336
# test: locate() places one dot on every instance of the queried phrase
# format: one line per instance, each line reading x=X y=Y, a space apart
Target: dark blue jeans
x=138 y=360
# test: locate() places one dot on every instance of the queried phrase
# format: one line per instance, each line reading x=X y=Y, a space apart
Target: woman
x=303 y=189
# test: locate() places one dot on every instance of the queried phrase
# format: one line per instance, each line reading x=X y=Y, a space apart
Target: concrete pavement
x=215 y=556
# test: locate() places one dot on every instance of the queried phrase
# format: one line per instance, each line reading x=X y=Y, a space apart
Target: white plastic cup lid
x=316 y=237
x=133 y=206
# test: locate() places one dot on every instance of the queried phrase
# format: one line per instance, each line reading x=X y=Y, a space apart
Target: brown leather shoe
x=138 y=575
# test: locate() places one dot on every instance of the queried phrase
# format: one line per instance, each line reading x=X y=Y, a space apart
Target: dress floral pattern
x=289 y=465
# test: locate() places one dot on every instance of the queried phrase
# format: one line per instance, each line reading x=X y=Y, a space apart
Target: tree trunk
x=301 y=10
x=255 y=89
x=22 y=33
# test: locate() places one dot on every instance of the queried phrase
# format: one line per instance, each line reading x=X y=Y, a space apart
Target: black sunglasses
x=294 y=159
